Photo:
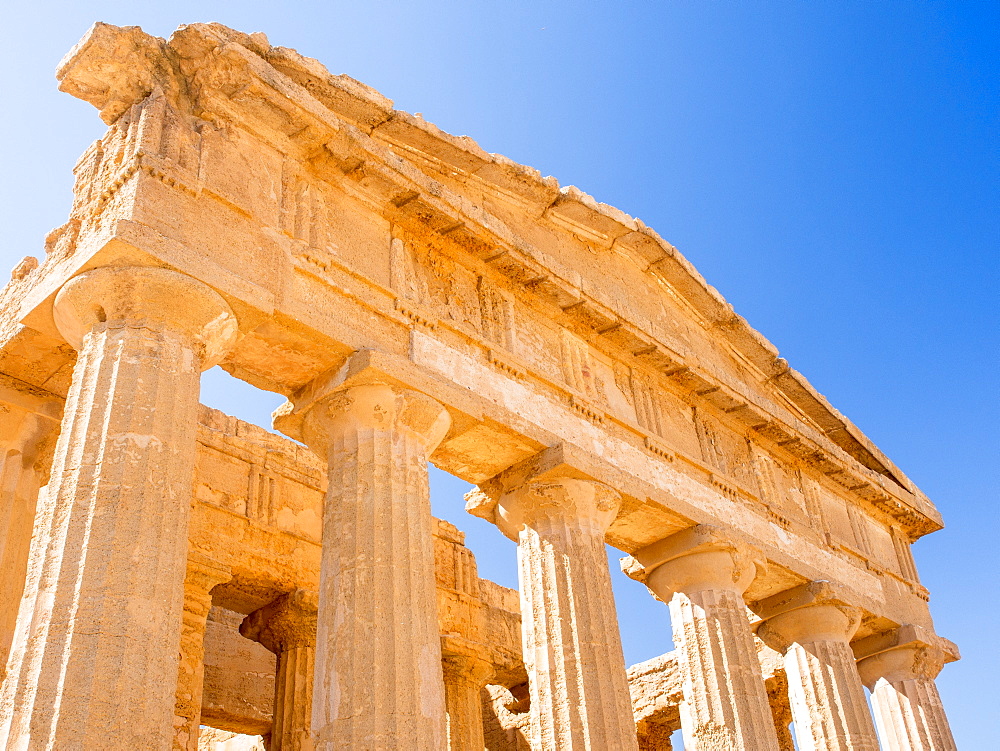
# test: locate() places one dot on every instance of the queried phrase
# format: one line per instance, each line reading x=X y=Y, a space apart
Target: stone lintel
x=17 y=393
x=205 y=571
x=129 y=243
x=907 y=635
x=697 y=539
x=475 y=655
x=369 y=367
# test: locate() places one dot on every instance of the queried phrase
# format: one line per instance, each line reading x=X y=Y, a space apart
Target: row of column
x=102 y=626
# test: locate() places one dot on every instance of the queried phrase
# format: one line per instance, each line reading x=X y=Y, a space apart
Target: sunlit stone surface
x=174 y=578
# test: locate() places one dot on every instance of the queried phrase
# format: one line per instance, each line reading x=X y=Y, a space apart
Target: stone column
x=287 y=627
x=378 y=678
x=202 y=576
x=571 y=644
x=24 y=451
x=702 y=574
x=812 y=627
x=465 y=676
x=908 y=709
x=100 y=660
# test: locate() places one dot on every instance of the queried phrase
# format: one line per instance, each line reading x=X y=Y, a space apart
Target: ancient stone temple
x=173 y=577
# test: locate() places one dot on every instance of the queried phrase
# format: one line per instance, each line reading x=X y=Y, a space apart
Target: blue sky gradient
x=831 y=167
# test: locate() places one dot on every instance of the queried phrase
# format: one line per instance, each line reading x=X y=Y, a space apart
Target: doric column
x=202 y=576
x=287 y=627
x=378 y=678
x=908 y=709
x=702 y=574
x=812 y=627
x=27 y=422
x=571 y=644
x=465 y=675
x=100 y=662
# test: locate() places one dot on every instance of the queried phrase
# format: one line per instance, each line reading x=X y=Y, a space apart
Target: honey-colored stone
x=572 y=648
x=378 y=679
x=900 y=674
x=287 y=627
x=202 y=576
x=416 y=299
x=105 y=630
x=813 y=631
x=702 y=576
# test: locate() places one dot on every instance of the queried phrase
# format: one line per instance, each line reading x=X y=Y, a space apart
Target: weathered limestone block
x=202 y=576
x=657 y=694
x=276 y=550
x=702 y=575
x=105 y=626
x=907 y=706
x=287 y=627
x=240 y=674
x=378 y=678
x=572 y=647
x=655 y=738
x=213 y=739
x=506 y=721
x=813 y=628
x=468 y=657
x=335 y=224
x=656 y=686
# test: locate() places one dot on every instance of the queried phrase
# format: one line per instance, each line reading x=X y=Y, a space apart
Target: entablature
x=349 y=137
x=404 y=166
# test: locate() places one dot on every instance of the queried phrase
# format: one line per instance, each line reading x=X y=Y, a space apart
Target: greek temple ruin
x=172 y=575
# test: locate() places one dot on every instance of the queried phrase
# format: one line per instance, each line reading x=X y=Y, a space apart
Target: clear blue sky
x=831 y=167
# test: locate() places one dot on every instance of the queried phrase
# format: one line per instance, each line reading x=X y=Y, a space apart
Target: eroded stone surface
x=416 y=299
x=703 y=575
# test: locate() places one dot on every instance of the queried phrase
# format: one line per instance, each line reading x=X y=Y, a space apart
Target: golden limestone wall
x=416 y=300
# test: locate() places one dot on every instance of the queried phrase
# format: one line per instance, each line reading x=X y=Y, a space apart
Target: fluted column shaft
x=100 y=648
x=824 y=688
x=378 y=681
x=465 y=675
x=293 y=693
x=201 y=578
x=287 y=627
x=21 y=433
x=908 y=709
x=702 y=578
x=571 y=643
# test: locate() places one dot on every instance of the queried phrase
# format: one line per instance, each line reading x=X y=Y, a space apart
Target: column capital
x=426 y=404
x=699 y=558
x=586 y=501
x=906 y=663
x=147 y=297
x=286 y=623
x=909 y=652
x=815 y=611
x=555 y=483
